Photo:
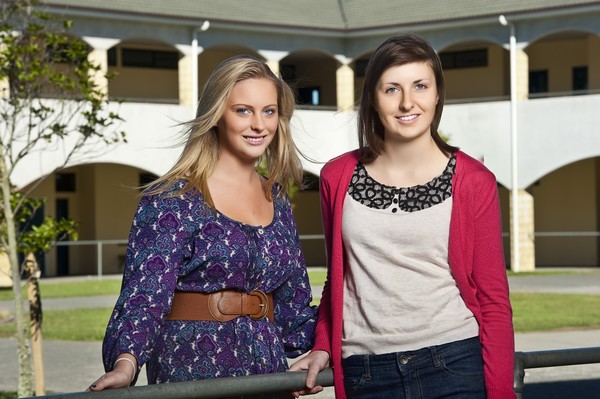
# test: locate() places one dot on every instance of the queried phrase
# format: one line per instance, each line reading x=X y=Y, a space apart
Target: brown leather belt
x=222 y=305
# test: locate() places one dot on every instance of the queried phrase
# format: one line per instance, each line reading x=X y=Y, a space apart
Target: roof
x=341 y=15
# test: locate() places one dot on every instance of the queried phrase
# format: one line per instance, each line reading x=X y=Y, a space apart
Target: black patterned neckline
x=369 y=192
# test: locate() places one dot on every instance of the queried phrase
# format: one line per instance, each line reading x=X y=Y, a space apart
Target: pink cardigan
x=476 y=258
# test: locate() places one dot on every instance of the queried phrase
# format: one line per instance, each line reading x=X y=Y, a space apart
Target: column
x=99 y=56
x=185 y=77
x=522 y=75
x=272 y=59
x=526 y=239
x=274 y=65
x=345 y=87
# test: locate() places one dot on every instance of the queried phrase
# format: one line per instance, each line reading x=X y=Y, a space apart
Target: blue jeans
x=453 y=370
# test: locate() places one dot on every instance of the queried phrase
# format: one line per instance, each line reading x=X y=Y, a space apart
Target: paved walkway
x=71 y=366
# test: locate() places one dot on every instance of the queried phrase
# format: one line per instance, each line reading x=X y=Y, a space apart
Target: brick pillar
x=185 y=80
x=345 y=88
x=526 y=239
x=272 y=59
x=274 y=65
x=99 y=56
x=522 y=75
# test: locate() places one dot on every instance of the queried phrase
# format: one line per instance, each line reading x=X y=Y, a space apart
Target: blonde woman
x=215 y=283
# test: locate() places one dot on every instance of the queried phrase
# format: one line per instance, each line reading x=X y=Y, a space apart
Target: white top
x=399 y=293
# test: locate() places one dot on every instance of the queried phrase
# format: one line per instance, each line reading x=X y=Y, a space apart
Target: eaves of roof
x=319 y=17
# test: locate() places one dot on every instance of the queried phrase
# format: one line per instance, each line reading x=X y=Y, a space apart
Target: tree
x=49 y=101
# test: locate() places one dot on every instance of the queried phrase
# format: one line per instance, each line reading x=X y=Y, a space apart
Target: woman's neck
x=233 y=170
x=408 y=164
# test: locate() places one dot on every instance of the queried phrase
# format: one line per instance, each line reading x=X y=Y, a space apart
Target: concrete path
x=72 y=366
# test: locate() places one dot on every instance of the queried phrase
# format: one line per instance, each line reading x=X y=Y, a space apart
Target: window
x=464 y=59
x=111 y=54
x=309 y=95
x=149 y=58
x=580 y=78
x=64 y=182
x=538 y=81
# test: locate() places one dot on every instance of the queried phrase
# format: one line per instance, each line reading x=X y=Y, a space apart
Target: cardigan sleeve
x=492 y=292
x=323 y=329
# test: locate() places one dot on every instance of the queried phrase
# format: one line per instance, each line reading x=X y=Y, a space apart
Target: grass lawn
x=69 y=290
x=539 y=312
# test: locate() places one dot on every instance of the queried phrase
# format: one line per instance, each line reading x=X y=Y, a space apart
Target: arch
x=558 y=164
x=475 y=70
x=574 y=72
x=145 y=70
x=567 y=200
x=103 y=199
x=312 y=75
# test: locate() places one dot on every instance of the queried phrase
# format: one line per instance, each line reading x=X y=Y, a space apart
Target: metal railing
x=204 y=389
x=99 y=244
x=552 y=358
x=282 y=382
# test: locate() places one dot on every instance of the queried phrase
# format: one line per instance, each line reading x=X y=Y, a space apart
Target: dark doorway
x=62 y=251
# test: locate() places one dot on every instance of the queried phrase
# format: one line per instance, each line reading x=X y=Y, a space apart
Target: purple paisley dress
x=179 y=243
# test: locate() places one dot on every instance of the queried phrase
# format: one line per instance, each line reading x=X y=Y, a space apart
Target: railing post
x=99 y=260
x=519 y=375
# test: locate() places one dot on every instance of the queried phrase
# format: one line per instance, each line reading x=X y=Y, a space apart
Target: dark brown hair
x=395 y=51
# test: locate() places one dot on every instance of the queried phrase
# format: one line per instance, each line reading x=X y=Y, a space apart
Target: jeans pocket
x=355 y=373
x=467 y=363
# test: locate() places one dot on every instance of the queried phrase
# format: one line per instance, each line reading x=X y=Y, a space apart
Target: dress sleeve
x=489 y=274
x=295 y=315
x=156 y=248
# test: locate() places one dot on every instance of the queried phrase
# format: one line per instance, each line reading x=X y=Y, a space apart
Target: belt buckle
x=264 y=305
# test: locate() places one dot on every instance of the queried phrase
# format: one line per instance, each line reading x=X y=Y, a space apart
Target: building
x=163 y=52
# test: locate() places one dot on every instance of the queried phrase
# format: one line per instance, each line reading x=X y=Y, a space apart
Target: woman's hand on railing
x=121 y=376
x=314 y=362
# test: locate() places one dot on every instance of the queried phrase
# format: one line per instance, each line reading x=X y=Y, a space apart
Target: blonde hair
x=201 y=152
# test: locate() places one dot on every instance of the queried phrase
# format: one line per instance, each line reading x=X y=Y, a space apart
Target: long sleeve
x=476 y=257
x=157 y=244
x=489 y=274
x=295 y=316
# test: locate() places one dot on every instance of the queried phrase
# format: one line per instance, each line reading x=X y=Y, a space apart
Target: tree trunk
x=25 y=387
x=35 y=315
